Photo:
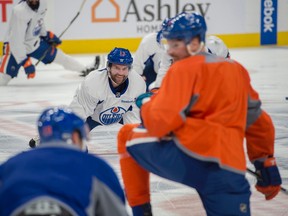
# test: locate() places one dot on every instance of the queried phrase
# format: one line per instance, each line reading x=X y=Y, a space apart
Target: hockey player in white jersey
x=107 y=96
x=148 y=58
x=27 y=37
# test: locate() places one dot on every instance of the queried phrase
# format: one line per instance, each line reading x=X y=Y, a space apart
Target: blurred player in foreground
x=27 y=37
x=193 y=129
x=59 y=178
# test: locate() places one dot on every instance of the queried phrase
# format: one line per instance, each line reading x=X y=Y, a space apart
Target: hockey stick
x=45 y=53
x=284 y=190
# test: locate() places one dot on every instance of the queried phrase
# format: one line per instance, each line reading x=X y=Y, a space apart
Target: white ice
x=22 y=101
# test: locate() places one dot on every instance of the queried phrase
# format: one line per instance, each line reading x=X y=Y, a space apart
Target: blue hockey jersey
x=73 y=181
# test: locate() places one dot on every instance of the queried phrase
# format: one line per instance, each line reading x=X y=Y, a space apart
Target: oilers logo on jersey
x=111 y=115
x=38 y=27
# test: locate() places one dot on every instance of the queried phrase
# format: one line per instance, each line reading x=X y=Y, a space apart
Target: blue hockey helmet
x=159 y=34
x=59 y=124
x=120 y=56
x=185 y=26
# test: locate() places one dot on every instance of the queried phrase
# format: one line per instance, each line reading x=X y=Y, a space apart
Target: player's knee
x=123 y=135
x=4 y=79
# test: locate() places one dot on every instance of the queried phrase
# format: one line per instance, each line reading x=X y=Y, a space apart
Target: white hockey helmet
x=216 y=46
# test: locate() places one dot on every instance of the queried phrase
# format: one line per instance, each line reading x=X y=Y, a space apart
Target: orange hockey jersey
x=203 y=101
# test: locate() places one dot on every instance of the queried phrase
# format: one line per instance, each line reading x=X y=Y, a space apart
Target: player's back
x=218 y=116
x=217 y=84
x=61 y=172
x=203 y=100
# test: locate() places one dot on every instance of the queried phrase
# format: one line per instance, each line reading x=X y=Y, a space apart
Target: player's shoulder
x=135 y=78
x=150 y=42
x=136 y=82
x=96 y=77
x=150 y=38
x=22 y=11
x=95 y=82
x=42 y=7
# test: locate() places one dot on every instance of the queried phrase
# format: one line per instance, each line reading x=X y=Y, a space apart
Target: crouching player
x=193 y=129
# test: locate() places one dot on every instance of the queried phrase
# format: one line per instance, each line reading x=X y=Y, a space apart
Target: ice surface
x=22 y=101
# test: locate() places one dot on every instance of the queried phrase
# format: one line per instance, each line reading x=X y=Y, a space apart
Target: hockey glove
x=52 y=39
x=29 y=68
x=269 y=180
x=143 y=98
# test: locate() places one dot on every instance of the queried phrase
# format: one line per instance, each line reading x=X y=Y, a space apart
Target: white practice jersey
x=95 y=97
x=148 y=48
x=166 y=62
x=25 y=28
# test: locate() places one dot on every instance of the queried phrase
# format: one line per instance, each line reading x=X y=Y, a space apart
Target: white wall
x=222 y=16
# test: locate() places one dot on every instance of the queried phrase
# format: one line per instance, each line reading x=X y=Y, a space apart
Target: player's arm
x=260 y=131
x=19 y=24
x=140 y=57
x=165 y=63
x=132 y=116
x=260 y=136
x=43 y=31
x=146 y=49
x=106 y=202
x=107 y=191
x=83 y=102
x=167 y=109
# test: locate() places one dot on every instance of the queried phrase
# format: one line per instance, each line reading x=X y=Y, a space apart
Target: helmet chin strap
x=198 y=51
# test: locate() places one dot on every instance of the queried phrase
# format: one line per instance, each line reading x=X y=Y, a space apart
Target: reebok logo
x=269 y=22
x=268 y=12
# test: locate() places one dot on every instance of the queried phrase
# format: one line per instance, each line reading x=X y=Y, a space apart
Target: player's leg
x=91 y=123
x=222 y=192
x=4 y=79
x=168 y=161
x=140 y=153
x=45 y=52
x=226 y=193
x=135 y=178
x=53 y=54
x=9 y=68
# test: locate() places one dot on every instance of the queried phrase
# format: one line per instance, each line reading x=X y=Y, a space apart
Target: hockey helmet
x=185 y=26
x=119 y=56
x=217 y=47
x=159 y=34
x=59 y=124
